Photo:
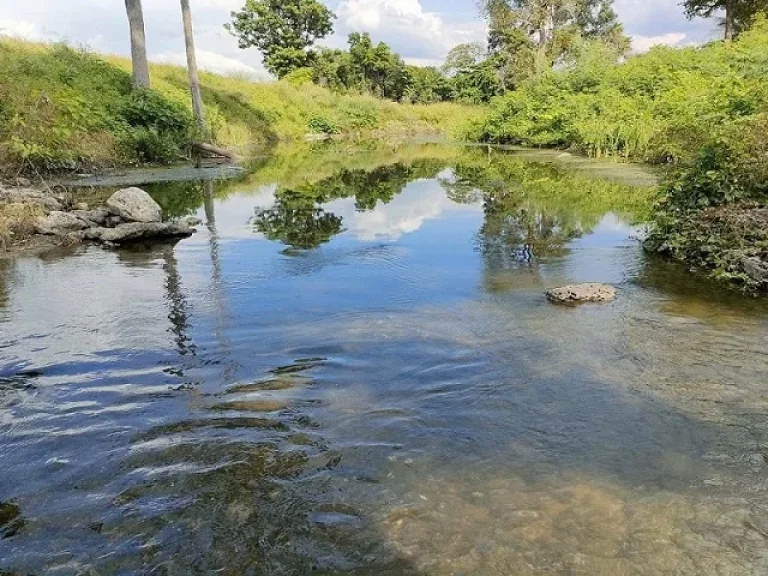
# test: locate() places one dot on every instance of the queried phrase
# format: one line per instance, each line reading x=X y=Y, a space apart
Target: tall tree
x=138 y=43
x=283 y=30
x=544 y=30
x=738 y=14
x=194 y=80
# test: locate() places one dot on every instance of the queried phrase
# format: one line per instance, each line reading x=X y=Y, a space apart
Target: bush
x=321 y=125
x=157 y=130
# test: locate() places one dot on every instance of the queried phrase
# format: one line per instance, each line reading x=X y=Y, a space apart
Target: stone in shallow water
x=139 y=231
x=576 y=293
x=134 y=205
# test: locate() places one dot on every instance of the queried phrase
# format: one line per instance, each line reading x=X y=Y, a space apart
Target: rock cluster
x=577 y=293
x=129 y=215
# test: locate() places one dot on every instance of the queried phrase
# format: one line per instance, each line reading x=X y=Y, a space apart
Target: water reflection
x=373 y=383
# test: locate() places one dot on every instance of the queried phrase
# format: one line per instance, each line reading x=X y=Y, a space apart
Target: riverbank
x=66 y=109
x=699 y=112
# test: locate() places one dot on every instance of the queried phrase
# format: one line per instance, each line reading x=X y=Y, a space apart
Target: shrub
x=322 y=125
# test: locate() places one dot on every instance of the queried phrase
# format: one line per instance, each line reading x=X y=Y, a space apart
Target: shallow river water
x=352 y=368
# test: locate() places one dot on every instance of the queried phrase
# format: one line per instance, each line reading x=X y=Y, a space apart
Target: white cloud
x=418 y=203
x=645 y=43
x=211 y=62
x=417 y=34
x=25 y=30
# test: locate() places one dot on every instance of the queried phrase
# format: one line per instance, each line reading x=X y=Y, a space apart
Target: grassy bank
x=62 y=108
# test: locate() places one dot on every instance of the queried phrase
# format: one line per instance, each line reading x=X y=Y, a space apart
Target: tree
x=738 y=13
x=375 y=68
x=194 y=81
x=138 y=43
x=463 y=57
x=283 y=30
x=541 y=32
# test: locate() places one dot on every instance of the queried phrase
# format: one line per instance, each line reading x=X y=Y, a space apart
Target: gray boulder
x=577 y=293
x=59 y=223
x=756 y=269
x=134 y=205
x=136 y=231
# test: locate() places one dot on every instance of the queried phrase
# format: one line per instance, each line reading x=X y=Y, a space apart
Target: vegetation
x=62 y=108
x=700 y=111
x=283 y=30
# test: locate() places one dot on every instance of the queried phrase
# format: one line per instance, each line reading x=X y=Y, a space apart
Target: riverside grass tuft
x=63 y=108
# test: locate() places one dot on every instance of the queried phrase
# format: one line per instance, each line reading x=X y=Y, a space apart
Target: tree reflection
x=298 y=227
x=298 y=219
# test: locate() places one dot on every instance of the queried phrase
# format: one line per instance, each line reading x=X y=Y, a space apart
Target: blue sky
x=421 y=30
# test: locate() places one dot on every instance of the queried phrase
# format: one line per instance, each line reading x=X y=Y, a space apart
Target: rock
x=756 y=269
x=134 y=205
x=30 y=196
x=135 y=231
x=74 y=238
x=95 y=217
x=113 y=221
x=59 y=223
x=590 y=292
x=81 y=206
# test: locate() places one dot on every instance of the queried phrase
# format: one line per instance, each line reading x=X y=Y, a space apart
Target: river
x=352 y=369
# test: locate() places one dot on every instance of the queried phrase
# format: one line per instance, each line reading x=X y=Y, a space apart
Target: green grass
x=62 y=108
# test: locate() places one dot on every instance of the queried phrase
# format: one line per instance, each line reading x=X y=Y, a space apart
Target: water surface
x=352 y=368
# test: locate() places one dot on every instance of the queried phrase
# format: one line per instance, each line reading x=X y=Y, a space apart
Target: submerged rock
x=59 y=223
x=136 y=231
x=134 y=205
x=576 y=293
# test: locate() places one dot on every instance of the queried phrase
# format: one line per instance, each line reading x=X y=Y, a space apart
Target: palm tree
x=138 y=43
x=194 y=81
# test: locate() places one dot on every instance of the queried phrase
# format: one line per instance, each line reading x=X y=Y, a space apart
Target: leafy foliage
x=283 y=30
x=658 y=106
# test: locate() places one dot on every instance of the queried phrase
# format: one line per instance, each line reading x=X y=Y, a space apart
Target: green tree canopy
x=283 y=30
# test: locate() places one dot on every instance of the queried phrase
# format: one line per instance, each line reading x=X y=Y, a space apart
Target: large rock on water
x=134 y=205
x=59 y=223
x=577 y=293
x=136 y=231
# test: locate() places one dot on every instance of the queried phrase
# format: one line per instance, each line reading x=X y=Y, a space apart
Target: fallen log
x=212 y=149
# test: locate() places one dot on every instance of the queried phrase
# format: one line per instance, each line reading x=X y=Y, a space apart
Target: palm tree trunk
x=138 y=43
x=730 y=20
x=194 y=81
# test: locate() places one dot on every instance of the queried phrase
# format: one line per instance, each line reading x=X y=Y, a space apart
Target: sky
x=422 y=31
